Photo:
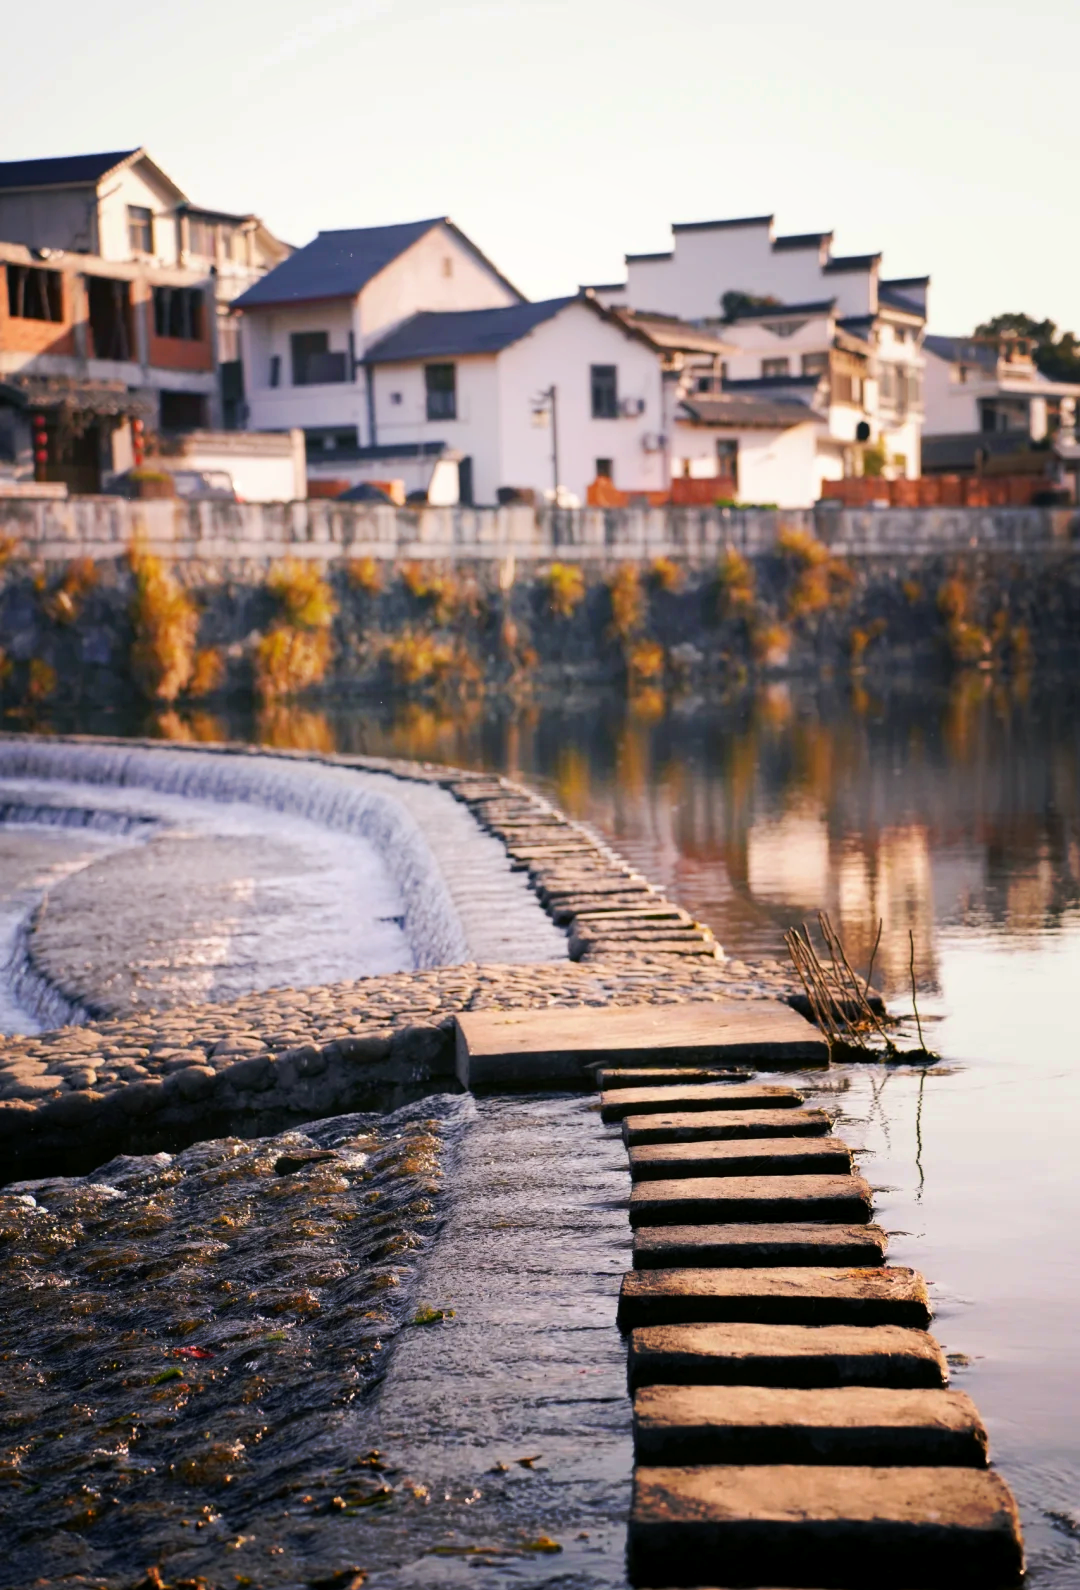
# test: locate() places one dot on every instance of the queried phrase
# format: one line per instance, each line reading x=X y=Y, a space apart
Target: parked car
x=202 y=485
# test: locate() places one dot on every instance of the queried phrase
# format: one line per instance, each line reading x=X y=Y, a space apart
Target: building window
x=887 y=384
x=183 y=411
x=727 y=461
x=108 y=304
x=815 y=363
x=440 y=384
x=313 y=364
x=604 y=387
x=275 y=369
x=447 y=266
x=605 y=469
x=201 y=238
x=34 y=294
x=771 y=368
x=178 y=312
x=396 y=399
x=140 y=229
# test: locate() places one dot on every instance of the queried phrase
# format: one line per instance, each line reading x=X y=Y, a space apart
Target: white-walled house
x=986 y=395
x=480 y=382
x=803 y=324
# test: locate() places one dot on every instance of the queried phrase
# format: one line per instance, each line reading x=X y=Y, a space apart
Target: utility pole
x=550 y=396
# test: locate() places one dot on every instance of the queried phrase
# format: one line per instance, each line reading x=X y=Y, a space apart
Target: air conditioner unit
x=630 y=408
x=653 y=442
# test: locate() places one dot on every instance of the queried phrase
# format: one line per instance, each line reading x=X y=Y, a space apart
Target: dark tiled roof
x=766 y=413
x=894 y=300
x=820 y=306
x=637 y=258
x=851 y=262
x=457 y=333
x=61 y=170
x=722 y=226
x=906 y=281
x=772 y=383
x=802 y=240
x=606 y=287
x=668 y=331
x=339 y=264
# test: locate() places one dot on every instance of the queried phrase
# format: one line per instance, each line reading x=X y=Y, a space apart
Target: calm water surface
x=950 y=812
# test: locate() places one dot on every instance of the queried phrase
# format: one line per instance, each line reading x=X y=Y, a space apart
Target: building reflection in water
x=927 y=806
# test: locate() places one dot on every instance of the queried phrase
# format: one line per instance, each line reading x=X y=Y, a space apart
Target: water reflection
x=928 y=805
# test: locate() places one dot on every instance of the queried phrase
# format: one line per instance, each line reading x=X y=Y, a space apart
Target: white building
x=394 y=346
x=803 y=326
x=986 y=397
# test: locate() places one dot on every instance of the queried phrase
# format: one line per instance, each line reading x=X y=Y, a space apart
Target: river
x=948 y=812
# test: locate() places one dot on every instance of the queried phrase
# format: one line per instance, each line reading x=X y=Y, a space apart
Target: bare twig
x=914 y=1001
x=873 y=955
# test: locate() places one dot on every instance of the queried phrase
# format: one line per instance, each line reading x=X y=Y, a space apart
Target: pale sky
x=562 y=135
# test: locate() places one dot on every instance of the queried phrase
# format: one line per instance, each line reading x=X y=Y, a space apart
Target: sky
x=562 y=134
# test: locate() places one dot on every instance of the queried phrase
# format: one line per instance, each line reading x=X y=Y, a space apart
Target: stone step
x=662 y=1076
x=617 y=1103
x=690 y=947
x=544 y=1047
x=747 y=1354
x=870 y=1528
x=714 y=1125
x=750 y=1247
x=799 y=1295
x=755 y=1156
x=705 y=1200
x=845 y=1424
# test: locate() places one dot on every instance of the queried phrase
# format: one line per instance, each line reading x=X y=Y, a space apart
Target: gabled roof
x=722 y=226
x=798 y=240
x=456 y=333
x=889 y=298
x=637 y=259
x=773 y=383
x=710 y=408
x=340 y=264
x=852 y=262
x=966 y=350
x=63 y=171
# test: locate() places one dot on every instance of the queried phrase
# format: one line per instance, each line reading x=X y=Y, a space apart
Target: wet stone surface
x=186 y=1340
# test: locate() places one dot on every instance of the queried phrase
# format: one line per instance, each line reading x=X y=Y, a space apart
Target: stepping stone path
x=792 y=1422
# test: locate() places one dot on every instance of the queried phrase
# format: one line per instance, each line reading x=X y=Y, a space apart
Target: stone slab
x=553 y=1045
x=799 y=1295
x=748 y=1354
x=706 y=1200
x=841 y=1425
x=617 y=1103
x=646 y=1076
x=715 y=1125
x=752 y=1246
x=755 y=1156
x=889 y=1528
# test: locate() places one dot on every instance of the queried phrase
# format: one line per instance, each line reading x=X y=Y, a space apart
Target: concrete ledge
x=937 y=1528
x=617 y=1103
x=766 y=1156
x=800 y=1295
x=715 y=1126
x=846 y=1425
x=694 y=1200
x=784 y=1355
x=751 y=1246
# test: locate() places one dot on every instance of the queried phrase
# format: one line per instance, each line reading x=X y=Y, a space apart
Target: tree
x=736 y=303
x=1056 y=354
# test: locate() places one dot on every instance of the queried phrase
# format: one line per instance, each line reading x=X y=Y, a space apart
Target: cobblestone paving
x=257 y=1062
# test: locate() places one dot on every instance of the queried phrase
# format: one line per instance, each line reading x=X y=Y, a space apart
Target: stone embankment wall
x=285 y=598
x=231 y=536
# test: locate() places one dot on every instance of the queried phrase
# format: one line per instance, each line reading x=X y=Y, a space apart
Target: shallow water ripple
x=181 y=1336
